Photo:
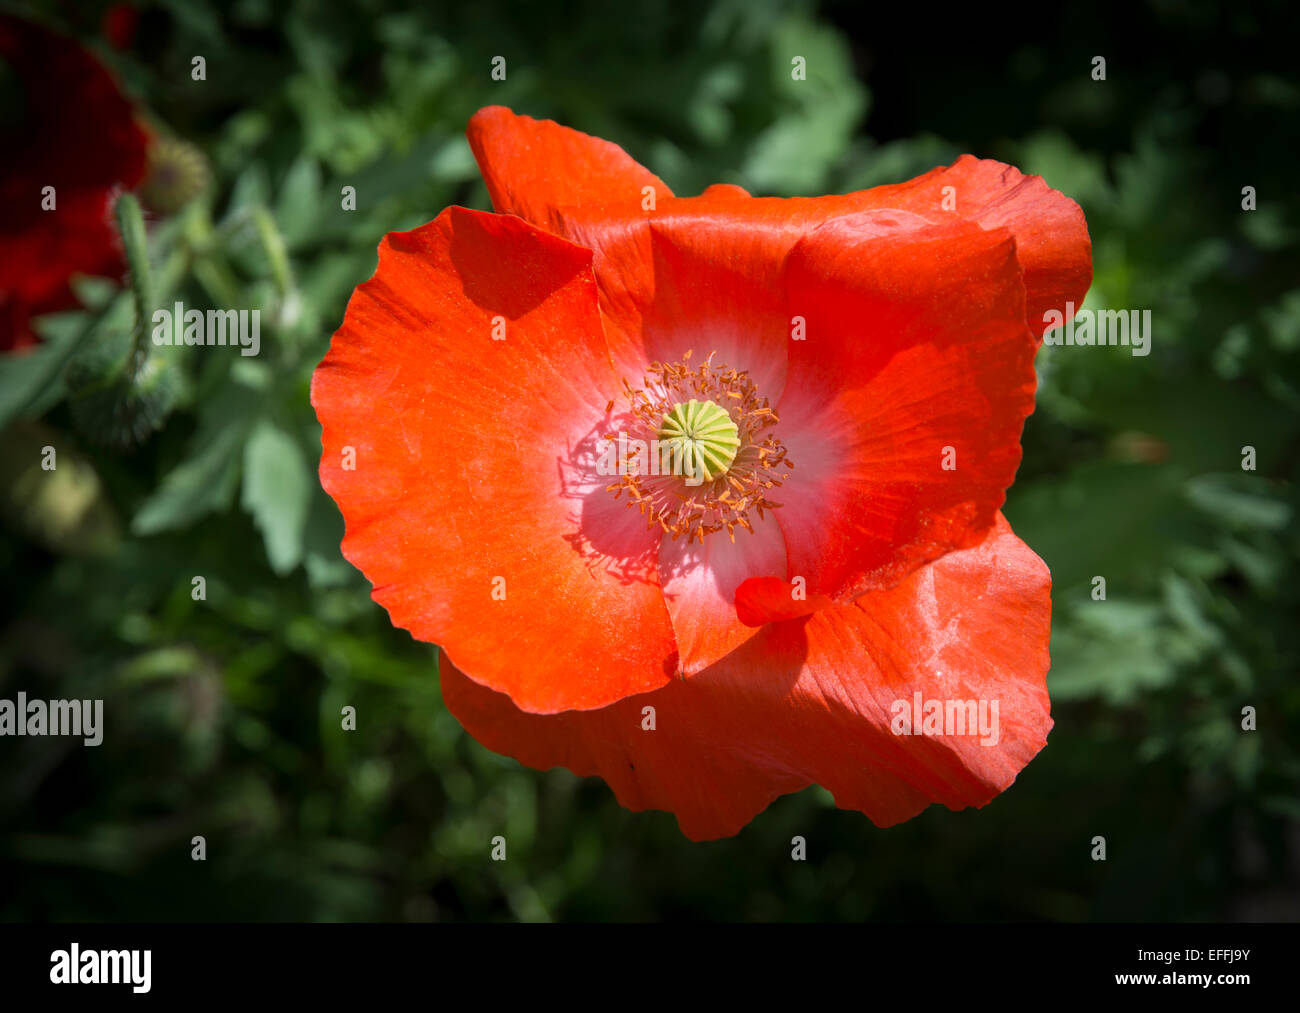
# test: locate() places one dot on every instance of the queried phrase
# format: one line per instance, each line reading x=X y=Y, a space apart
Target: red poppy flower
x=819 y=586
x=119 y=23
x=66 y=126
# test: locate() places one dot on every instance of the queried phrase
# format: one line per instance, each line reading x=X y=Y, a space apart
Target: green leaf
x=31 y=382
x=323 y=561
x=1239 y=501
x=298 y=205
x=203 y=482
x=250 y=190
x=277 y=492
x=206 y=479
x=819 y=109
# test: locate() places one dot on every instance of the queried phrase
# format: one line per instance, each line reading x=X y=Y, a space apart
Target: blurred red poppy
x=842 y=382
x=70 y=139
x=118 y=25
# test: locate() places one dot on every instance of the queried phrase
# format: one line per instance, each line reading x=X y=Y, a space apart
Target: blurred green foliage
x=224 y=713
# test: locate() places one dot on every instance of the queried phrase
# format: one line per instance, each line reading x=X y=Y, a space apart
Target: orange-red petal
x=905 y=398
x=700 y=274
x=462 y=402
x=535 y=167
x=1051 y=233
x=762 y=600
x=595 y=194
x=813 y=701
x=700 y=582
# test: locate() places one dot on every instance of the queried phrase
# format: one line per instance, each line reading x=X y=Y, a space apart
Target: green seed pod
x=127 y=409
x=176 y=174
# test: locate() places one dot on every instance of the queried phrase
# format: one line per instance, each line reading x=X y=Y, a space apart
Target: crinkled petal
x=818 y=701
x=1050 y=230
x=700 y=582
x=905 y=401
x=462 y=402
x=535 y=167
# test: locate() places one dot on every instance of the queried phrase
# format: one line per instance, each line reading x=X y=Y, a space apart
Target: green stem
x=273 y=245
x=130 y=222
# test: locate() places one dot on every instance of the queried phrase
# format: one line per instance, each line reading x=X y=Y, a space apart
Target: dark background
x=223 y=714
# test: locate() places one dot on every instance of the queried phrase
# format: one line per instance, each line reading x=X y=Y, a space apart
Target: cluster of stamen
x=722 y=460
